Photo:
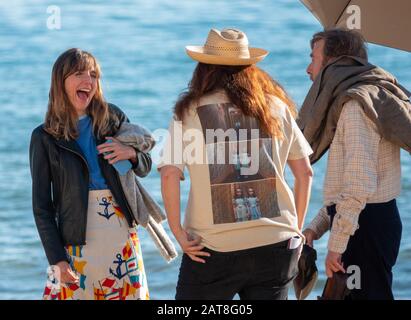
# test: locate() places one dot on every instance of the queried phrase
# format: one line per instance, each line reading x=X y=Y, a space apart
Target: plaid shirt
x=362 y=168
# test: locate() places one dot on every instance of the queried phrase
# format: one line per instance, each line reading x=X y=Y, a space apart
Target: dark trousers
x=262 y=273
x=374 y=249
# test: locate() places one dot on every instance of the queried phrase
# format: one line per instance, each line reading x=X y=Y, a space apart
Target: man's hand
x=310 y=236
x=333 y=263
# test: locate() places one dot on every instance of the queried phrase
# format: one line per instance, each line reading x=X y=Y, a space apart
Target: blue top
x=87 y=144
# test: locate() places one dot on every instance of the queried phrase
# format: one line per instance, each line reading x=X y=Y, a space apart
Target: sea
x=140 y=46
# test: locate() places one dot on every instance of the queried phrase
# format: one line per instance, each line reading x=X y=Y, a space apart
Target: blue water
x=140 y=45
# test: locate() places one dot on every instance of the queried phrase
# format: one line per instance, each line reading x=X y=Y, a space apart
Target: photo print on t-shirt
x=242 y=175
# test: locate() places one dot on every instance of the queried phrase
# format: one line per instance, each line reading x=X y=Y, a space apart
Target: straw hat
x=226 y=47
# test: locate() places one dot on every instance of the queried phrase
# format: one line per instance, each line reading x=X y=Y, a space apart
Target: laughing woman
x=85 y=223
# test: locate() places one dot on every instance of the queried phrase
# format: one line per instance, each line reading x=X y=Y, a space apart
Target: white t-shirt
x=239 y=198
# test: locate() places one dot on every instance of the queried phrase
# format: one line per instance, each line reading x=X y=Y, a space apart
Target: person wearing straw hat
x=363 y=116
x=255 y=258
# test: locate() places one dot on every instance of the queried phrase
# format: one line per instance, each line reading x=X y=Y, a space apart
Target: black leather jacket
x=61 y=184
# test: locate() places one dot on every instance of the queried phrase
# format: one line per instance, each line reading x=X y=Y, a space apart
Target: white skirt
x=110 y=264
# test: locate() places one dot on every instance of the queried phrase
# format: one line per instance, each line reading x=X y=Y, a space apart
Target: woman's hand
x=191 y=246
x=170 y=189
x=117 y=151
x=67 y=275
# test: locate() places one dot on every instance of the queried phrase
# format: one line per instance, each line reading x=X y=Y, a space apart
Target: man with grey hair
x=361 y=115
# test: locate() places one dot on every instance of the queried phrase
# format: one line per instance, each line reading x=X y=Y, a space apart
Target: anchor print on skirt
x=109 y=208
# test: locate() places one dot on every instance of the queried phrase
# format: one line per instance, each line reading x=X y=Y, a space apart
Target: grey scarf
x=383 y=99
x=145 y=209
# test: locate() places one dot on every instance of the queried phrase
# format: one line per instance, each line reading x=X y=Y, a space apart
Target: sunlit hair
x=247 y=87
x=61 y=117
x=341 y=42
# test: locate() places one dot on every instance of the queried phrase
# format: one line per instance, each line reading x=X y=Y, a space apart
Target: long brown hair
x=61 y=117
x=248 y=87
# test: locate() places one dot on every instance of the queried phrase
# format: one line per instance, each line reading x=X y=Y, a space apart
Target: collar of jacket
x=68 y=144
x=72 y=144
